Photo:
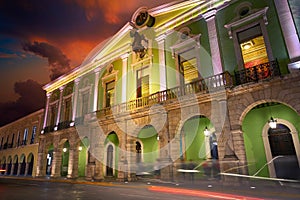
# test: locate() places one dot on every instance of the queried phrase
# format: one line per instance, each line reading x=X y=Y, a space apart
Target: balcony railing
x=48 y=129
x=64 y=125
x=257 y=73
x=212 y=83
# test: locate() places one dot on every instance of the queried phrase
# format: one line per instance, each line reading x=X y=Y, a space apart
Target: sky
x=42 y=39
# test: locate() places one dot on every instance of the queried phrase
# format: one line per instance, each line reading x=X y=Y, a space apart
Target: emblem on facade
x=139 y=44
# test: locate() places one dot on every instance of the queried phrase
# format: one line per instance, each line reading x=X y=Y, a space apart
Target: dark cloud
x=58 y=62
x=32 y=98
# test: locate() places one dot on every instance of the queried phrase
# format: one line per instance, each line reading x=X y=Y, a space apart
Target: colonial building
x=19 y=142
x=193 y=81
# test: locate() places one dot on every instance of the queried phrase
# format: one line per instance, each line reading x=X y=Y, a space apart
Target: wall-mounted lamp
x=272 y=123
x=157 y=138
x=65 y=149
x=80 y=148
x=206 y=132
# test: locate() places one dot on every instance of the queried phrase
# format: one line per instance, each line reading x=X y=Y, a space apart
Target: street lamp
x=272 y=123
x=206 y=132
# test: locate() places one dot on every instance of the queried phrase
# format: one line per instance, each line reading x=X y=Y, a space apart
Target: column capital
x=161 y=38
x=49 y=95
x=209 y=15
x=77 y=80
x=97 y=70
x=62 y=88
x=125 y=56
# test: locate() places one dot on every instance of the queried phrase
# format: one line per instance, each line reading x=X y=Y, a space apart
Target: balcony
x=64 y=125
x=48 y=129
x=257 y=73
x=209 y=84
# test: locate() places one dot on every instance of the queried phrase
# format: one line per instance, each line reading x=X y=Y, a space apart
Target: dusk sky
x=41 y=39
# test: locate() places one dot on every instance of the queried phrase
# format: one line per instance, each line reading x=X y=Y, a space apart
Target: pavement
x=237 y=186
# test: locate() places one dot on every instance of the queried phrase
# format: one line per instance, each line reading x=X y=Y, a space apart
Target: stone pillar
x=56 y=164
x=61 y=89
x=40 y=170
x=213 y=41
x=162 y=62
x=47 y=109
x=239 y=148
x=124 y=77
x=97 y=73
x=19 y=169
x=99 y=149
x=26 y=169
x=12 y=169
x=288 y=29
x=75 y=98
x=131 y=158
x=73 y=160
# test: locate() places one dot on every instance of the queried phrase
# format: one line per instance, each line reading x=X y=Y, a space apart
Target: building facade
x=19 y=145
x=190 y=85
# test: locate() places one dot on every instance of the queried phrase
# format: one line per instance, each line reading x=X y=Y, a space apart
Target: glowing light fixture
x=272 y=123
x=65 y=149
x=157 y=138
x=80 y=148
x=206 y=132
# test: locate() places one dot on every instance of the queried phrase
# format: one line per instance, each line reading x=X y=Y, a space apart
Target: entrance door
x=109 y=161
x=282 y=147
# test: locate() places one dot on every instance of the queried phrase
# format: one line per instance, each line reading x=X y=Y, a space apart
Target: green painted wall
x=148 y=137
x=252 y=128
x=65 y=160
x=194 y=138
x=82 y=158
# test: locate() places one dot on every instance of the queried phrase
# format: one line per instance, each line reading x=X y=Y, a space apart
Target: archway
x=82 y=158
x=16 y=165
x=268 y=149
x=3 y=167
x=65 y=158
x=111 y=154
x=23 y=164
x=9 y=162
x=49 y=160
x=147 y=149
x=30 y=161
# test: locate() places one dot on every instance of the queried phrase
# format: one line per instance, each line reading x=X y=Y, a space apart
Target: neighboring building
x=19 y=142
x=189 y=82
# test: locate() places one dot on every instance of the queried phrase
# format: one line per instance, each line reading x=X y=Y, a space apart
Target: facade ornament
x=139 y=44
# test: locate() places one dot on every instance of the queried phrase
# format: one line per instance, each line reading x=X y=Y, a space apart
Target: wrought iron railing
x=257 y=73
x=48 y=129
x=63 y=125
x=212 y=83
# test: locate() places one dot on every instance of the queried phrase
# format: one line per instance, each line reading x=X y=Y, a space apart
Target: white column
x=47 y=109
x=124 y=77
x=213 y=41
x=288 y=29
x=75 y=97
x=61 y=89
x=97 y=72
x=162 y=62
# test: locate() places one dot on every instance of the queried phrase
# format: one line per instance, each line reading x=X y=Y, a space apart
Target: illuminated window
x=142 y=77
x=110 y=91
x=253 y=47
x=188 y=69
x=67 y=113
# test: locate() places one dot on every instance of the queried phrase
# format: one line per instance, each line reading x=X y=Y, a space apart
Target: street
x=15 y=189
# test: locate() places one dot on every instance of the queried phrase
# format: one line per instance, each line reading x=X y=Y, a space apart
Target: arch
x=295 y=138
x=3 y=166
x=16 y=165
x=23 y=164
x=111 y=153
x=30 y=162
x=9 y=165
x=49 y=159
x=83 y=148
x=65 y=156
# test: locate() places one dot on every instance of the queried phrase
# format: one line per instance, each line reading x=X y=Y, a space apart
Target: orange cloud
x=111 y=9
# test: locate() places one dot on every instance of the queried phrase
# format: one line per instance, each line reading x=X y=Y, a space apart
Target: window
x=85 y=103
x=53 y=114
x=142 y=78
x=33 y=135
x=25 y=136
x=188 y=70
x=1 y=143
x=67 y=110
x=110 y=90
x=252 y=47
x=18 y=139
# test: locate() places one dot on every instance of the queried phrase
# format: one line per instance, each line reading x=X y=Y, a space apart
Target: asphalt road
x=17 y=189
